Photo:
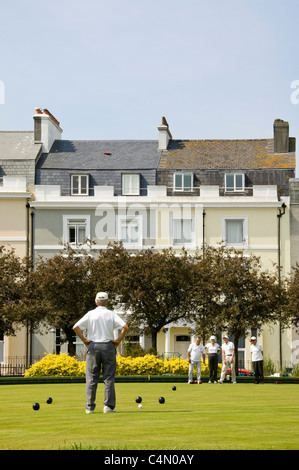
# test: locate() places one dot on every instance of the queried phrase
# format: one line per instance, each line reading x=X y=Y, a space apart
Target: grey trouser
x=100 y=355
x=192 y=364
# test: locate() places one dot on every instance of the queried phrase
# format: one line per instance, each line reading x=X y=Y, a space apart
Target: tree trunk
x=154 y=341
x=71 y=348
x=236 y=342
x=69 y=333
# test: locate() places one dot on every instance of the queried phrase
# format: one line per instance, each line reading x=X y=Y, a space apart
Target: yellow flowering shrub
x=63 y=365
x=181 y=366
x=56 y=365
x=145 y=365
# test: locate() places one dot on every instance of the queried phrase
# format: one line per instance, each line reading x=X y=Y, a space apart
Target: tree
x=232 y=293
x=58 y=292
x=61 y=289
x=206 y=291
x=250 y=296
x=292 y=299
x=155 y=290
x=108 y=270
x=12 y=281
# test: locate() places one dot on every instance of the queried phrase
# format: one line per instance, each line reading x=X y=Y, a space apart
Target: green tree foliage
x=12 y=277
x=156 y=290
x=217 y=290
x=235 y=294
x=292 y=301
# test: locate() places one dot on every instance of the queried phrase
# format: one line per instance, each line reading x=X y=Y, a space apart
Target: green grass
x=201 y=417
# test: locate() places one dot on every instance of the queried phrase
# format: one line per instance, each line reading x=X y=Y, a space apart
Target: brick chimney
x=46 y=129
x=281 y=136
x=164 y=134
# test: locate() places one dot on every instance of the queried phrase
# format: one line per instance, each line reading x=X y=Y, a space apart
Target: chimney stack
x=164 y=134
x=46 y=129
x=281 y=136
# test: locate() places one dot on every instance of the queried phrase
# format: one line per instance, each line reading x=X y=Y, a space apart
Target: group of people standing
x=196 y=351
x=101 y=350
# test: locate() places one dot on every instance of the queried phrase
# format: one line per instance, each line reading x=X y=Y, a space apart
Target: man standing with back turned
x=101 y=350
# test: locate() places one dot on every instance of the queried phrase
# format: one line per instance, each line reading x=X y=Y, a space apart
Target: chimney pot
x=164 y=134
x=281 y=136
x=46 y=129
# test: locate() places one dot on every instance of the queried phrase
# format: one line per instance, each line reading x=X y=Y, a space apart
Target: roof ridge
x=220 y=140
x=16 y=132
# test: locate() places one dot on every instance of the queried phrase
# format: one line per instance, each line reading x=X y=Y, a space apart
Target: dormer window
x=131 y=184
x=79 y=185
x=183 y=182
x=234 y=182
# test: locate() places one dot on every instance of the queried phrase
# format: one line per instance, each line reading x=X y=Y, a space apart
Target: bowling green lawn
x=193 y=417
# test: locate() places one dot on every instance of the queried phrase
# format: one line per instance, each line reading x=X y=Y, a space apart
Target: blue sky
x=111 y=69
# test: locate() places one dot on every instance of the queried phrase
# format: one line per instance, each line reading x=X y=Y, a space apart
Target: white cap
x=213 y=337
x=225 y=336
x=101 y=296
x=252 y=338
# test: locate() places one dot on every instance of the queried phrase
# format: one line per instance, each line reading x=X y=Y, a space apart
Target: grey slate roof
x=90 y=155
x=18 y=145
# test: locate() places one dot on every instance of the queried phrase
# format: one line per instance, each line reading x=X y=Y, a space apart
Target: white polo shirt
x=196 y=351
x=228 y=348
x=212 y=349
x=256 y=352
x=100 y=324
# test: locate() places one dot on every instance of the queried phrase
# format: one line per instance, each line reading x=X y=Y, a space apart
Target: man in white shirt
x=100 y=324
x=257 y=358
x=228 y=359
x=195 y=351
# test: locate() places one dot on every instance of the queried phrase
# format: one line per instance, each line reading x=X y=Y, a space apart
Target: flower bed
x=55 y=365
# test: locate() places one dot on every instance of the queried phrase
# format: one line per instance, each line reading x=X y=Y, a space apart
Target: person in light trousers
x=100 y=324
x=228 y=359
x=194 y=354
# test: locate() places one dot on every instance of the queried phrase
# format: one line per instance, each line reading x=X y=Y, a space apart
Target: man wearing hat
x=257 y=358
x=194 y=354
x=100 y=324
x=228 y=359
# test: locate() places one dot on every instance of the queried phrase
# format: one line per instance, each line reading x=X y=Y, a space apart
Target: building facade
x=166 y=193
x=294 y=237
x=18 y=157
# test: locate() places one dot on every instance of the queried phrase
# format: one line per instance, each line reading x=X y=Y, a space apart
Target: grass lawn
x=194 y=417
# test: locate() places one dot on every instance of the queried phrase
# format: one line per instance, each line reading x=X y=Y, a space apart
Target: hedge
x=62 y=365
